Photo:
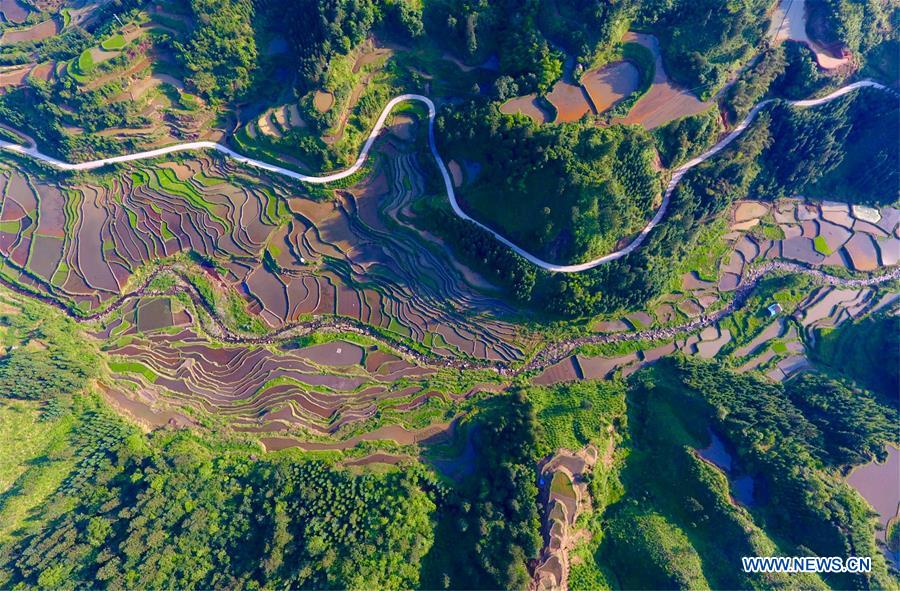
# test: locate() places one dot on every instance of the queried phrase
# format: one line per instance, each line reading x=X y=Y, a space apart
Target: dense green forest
x=705 y=40
x=488 y=525
x=220 y=55
x=858 y=24
x=786 y=151
x=785 y=438
x=867 y=351
x=566 y=192
x=174 y=510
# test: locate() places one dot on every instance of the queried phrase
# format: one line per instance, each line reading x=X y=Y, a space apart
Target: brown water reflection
x=879 y=484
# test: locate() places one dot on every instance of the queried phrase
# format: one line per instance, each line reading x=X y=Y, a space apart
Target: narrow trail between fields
x=677 y=174
x=213 y=327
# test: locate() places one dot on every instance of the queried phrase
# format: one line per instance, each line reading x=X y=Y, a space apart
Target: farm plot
x=812 y=233
x=38 y=32
x=315 y=389
x=288 y=257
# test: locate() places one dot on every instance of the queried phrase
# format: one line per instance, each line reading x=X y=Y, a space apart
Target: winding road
x=33 y=152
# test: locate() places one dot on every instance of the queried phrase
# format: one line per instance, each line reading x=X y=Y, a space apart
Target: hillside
x=448 y=294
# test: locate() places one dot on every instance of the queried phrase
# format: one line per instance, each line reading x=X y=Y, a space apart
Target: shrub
x=113 y=43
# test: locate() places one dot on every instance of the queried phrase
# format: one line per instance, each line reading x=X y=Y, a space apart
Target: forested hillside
x=785 y=152
x=264 y=349
x=566 y=193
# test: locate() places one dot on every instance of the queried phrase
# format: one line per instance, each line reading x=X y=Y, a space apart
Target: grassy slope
x=33 y=462
x=690 y=534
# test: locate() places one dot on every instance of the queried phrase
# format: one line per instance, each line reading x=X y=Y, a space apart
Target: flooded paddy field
x=791 y=21
x=664 y=101
x=286 y=394
x=570 y=100
x=13 y=11
x=326 y=257
x=599 y=89
x=42 y=30
x=816 y=235
x=526 y=105
x=879 y=484
x=608 y=85
x=261 y=390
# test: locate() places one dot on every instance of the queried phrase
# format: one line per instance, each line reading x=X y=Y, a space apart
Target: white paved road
x=448 y=183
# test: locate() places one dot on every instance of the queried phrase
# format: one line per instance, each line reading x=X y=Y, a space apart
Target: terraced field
x=265 y=257
x=770 y=253
x=159 y=359
x=289 y=258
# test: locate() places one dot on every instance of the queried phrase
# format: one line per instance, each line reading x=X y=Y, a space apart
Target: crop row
x=289 y=258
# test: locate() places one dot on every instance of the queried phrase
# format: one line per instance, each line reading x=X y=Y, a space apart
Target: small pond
x=742 y=485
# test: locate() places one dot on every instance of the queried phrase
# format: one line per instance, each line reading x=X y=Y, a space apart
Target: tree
x=220 y=53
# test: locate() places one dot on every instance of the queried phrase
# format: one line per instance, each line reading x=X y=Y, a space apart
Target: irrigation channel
x=549 y=354
x=677 y=174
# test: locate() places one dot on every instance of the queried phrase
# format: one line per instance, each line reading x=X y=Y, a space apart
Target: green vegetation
x=856 y=425
x=669 y=559
x=489 y=525
x=562 y=485
x=113 y=43
x=858 y=25
x=753 y=317
x=564 y=192
x=821 y=245
x=148 y=510
x=318 y=31
x=863 y=167
x=34 y=460
x=220 y=54
x=754 y=83
x=883 y=61
x=587 y=30
x=867 y=351
x=479 y=248
x=892 y=535
x=768 y=228
x=37 y=109
x=704 y=41
x=785 y=152
x=85 y=63
x=686 y=137
x=748 y=412
x=177 y=509
x=689 y=535
x=86 y=496
x=675 y=512
x=135 y=368
x=801 y=77
x=707 y=253
x=52 y=362
x=573 y=415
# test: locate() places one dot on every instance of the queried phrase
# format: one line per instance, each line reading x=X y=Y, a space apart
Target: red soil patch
x=42 y=30
x=664 y=101
x=571 y=101
x=13 y=11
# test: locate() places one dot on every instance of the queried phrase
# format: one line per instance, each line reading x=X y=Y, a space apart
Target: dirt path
x=552 y=353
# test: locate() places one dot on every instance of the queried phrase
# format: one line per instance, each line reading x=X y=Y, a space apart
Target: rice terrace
x=432 y=294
